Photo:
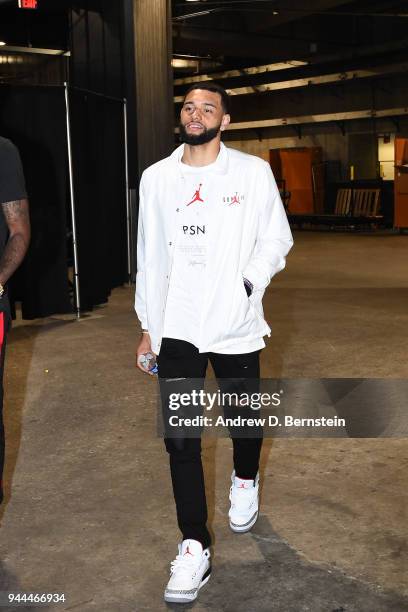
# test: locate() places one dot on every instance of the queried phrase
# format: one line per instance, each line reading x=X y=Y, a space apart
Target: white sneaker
x=190 y=570
x=244 y=497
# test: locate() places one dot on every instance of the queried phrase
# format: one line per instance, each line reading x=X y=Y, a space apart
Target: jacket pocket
x=243 y=318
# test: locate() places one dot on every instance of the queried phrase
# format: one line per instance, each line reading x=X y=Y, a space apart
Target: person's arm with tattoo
x=17 y=218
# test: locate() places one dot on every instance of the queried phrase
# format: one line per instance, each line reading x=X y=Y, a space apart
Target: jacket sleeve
x=140 y=297
x=274 y=238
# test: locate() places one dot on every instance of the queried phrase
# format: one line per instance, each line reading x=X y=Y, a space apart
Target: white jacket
x=249 y=240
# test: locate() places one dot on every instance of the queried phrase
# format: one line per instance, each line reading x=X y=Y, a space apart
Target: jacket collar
x=220 y=165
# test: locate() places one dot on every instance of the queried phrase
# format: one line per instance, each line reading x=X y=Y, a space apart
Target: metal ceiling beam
x=276 y=14
x=241 y=72
x=322 y=118
x=216 y=42
x=317 y=80
x=290 y=71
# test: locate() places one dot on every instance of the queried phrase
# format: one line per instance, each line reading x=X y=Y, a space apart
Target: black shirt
x=12 y=187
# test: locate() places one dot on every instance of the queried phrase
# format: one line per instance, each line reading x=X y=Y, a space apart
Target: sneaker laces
x=240 y=495
x=182 y=562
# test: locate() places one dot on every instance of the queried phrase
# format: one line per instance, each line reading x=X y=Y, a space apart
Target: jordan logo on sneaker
x=188 y=551
x=242 y=486
x=196 y=196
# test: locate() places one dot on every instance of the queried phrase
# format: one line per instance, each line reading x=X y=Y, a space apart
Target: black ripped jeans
x=180 y=359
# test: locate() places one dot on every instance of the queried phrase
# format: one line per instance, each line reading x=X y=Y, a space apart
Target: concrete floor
x=89 y=509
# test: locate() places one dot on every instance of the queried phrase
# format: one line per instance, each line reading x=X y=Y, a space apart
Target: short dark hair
x=212 y=86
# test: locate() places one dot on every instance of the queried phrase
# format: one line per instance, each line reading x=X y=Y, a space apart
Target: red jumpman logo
x=188 y=551
x=242 y=485
x=235 y=199
x=196 y=196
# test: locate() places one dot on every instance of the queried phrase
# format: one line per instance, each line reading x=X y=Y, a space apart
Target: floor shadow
x=284 y=581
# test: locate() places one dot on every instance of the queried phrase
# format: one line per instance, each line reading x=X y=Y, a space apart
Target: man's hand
x=144 y=346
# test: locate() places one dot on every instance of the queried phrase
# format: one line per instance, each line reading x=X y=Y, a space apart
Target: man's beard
x=198 y=139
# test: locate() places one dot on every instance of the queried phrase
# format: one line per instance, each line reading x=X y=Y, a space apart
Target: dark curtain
x=34 y=119
x=100 y=194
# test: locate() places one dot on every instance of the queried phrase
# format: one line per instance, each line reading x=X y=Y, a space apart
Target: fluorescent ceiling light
x=2 y=43
x=35 y=50
x=11 y=59
x=184 y=63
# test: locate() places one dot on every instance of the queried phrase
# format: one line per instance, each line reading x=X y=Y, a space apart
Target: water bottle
x=148 y=361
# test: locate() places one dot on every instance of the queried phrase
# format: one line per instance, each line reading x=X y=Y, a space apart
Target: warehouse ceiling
x=295 y=63
x=237 y=33
x=285 y=62
x=240 y=33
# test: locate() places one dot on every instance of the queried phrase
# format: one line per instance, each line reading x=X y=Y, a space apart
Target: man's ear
x=225 y=121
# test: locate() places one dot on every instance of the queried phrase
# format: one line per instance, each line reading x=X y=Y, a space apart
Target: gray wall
x=334 y=145
x=363 y=155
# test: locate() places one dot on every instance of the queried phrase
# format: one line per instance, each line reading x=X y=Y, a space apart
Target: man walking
x=14 y=240
x=212 y=232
